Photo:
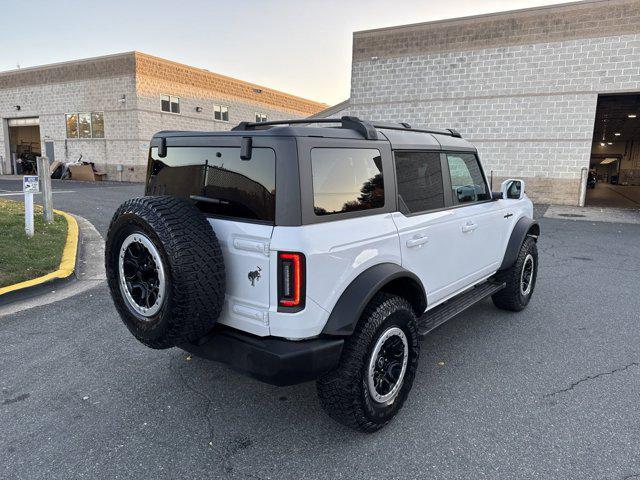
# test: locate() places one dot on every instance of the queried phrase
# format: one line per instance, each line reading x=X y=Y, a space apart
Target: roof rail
x=406 y=127
x=366 y=129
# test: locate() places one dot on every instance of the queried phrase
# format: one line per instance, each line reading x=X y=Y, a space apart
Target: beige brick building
x=523 y=86
x=107 y=108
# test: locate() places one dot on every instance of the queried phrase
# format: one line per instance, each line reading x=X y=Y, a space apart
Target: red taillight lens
x=291 y=281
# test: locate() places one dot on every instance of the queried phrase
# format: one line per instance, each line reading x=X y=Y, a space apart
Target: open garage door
x=24 y=144
x=614 y=174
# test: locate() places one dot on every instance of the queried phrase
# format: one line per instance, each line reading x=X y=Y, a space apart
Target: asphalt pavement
x=551 y=392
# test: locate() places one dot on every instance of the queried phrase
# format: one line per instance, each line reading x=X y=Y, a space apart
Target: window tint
x=467 y=182
x=217 y=180
x=346 y=180
x=419 y=176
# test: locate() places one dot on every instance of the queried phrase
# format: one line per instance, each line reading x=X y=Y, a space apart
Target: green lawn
x=23 y=258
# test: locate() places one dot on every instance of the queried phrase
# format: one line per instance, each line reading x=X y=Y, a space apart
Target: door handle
x=417 y=240
x=469 y=227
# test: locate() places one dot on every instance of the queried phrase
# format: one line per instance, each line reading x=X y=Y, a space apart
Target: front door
x=478 y=219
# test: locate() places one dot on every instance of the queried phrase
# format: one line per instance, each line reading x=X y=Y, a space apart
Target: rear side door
x=479 y=220
x=238 y=198
x=426 y=223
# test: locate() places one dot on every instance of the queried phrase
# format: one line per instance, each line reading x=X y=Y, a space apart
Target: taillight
x=291 y=281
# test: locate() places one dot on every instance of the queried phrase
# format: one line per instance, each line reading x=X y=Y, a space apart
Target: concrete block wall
x=51 y=102
x=529 y=107
x=99 y=84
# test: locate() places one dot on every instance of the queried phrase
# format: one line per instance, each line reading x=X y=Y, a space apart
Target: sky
x=301 y=47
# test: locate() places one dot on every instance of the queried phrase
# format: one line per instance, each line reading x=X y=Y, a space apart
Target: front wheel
x=377 y=367
x=520 y=279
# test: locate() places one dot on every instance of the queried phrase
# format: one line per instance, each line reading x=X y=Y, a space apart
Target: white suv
x=295 y=252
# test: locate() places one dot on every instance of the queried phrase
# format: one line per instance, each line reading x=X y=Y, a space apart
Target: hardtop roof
x=400 y=137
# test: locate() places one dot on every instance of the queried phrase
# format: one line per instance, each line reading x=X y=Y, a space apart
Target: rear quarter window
x=346 y=180
x=217 y=180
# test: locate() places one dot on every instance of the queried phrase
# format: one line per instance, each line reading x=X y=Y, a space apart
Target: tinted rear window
x=217 y=180
x=346 y=180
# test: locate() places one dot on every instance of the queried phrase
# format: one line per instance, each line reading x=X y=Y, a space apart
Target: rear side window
x=420 y=186
x=217 y=180
x=346 y=180
x=467 y=181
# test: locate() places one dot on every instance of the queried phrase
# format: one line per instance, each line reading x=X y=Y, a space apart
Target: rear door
x=238 y=198
x=426 y=223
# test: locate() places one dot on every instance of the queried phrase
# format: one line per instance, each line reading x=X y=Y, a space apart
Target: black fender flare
x=525 y=226
x=349 y=307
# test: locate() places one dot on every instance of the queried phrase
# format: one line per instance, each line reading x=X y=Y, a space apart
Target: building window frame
x=261 y=117
x=221 y=113
x=92 y=117
x=170 y=100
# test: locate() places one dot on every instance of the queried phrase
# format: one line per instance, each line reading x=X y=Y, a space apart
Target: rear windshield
x=218 y=180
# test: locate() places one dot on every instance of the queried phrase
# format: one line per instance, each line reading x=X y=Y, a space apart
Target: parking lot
x=551 y=392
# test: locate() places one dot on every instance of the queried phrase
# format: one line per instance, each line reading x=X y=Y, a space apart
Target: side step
x=449 y=309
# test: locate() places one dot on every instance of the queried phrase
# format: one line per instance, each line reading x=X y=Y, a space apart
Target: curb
x=64 y=273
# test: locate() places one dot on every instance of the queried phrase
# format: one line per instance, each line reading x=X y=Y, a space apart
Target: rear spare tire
x=165 y=270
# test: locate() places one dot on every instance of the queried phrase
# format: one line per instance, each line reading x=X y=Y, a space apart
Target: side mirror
x=512 y=189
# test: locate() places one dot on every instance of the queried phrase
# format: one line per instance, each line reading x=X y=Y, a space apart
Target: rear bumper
x=272 y=360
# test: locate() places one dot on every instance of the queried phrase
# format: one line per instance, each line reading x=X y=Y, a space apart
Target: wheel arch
x=525 y=227
x=384 y=277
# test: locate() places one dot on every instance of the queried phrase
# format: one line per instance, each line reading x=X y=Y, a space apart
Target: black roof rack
x=366 y=129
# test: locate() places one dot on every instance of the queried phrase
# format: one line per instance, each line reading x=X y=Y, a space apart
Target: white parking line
x=15 y=194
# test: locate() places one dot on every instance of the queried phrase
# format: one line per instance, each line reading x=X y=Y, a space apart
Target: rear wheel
x=165 y=270
x=377 y=367
x=520 y=279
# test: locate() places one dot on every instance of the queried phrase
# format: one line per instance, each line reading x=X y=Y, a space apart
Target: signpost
x=30 y=185
x=45 y=183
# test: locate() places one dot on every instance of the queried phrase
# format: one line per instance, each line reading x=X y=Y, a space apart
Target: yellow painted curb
x=67 y=261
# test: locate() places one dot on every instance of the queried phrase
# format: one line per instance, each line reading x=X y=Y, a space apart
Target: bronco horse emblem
x=253 y=276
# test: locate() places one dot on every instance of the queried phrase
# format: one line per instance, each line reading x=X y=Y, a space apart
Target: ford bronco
x=317 y=250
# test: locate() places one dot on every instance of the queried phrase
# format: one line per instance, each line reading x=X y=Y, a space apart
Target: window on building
x=420 y=186
x=72 y=125
x=467 y=181
x=85 y=125
x=346 y=180
x=170 y=104
x=97 y=125
x=261 y=117
x=220 y=112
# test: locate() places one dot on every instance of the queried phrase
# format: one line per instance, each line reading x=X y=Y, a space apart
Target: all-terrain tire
x=192 y=263
x=344 y=393
x=513 y=297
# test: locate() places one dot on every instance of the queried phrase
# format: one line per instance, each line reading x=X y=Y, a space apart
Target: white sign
x=30 y=184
